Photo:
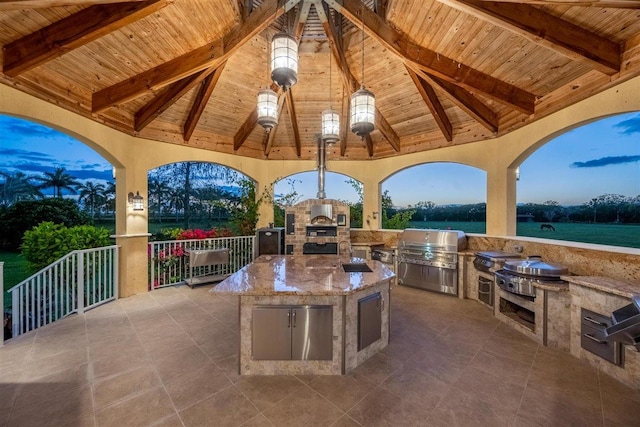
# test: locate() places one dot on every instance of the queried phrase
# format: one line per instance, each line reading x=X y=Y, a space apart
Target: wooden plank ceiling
x=444 y=72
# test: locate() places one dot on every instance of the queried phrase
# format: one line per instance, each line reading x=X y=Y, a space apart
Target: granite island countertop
x=606 y=284
x=302 y=275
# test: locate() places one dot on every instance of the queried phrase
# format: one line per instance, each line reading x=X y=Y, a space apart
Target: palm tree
x=59 y=180
x=91 y=195
x=17 y=187
x=109 y=198
x=158 y=188
x=176 y=200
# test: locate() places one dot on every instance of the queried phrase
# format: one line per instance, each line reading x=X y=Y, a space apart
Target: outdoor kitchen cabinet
x=292 y=332
x=370 y=310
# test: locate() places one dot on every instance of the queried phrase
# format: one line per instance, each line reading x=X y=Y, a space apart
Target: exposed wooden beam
x=626 y=4
x=431 y=99
x=72 y=32
x=166 y=99
x=547 y=30
x=369 y=143
x=294 y=121
x=200 y=103
x=245 y=130
x=432 y=62
x=43 y=4
x=271 y=136
x=380 y=8
x=352 y=84
x=210 y=55
x=466 y=101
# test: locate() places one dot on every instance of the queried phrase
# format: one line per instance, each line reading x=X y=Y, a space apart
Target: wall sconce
x=137 y=201
x=518 y=173
x=375 y=215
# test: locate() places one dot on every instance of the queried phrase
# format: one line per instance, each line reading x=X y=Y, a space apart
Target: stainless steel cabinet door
x=312 y=332
x=369 y=320
x=271 y=333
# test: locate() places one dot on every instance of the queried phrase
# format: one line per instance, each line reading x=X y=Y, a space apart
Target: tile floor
x=168 y=358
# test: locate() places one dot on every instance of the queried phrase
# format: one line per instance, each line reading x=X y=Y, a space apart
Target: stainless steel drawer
x=593 y=337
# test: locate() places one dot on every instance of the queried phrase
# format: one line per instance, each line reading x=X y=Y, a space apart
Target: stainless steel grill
x=428 y=259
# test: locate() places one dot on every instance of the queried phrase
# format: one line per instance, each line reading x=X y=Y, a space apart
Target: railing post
x=80 y=283
x=116 y=272
x=16 y=318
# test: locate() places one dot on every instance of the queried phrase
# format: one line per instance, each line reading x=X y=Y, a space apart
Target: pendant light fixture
x=330 y=118
x=363 y=102
x=284 y=60
x=267 y=107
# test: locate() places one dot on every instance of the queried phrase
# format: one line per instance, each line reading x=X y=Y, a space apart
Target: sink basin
x=356 y=267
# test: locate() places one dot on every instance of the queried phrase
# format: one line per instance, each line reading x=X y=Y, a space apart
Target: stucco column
x=265 y=210
x=501 y=201
x=371 y=204
x=132 y=232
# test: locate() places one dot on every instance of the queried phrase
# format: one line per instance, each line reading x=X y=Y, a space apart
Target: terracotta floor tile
x=228 y=408
x=303 y=408
x=265 y=391
x=142 y=409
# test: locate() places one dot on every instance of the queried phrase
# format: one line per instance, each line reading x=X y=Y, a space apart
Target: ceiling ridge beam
x=161 y=103
x=72 y=32
x=200 y=103
x=352 y=84
x=210 y=55
x=431 y=61
x=433 y=103
x=466 y=101
x=546 y=30
x=624 y=4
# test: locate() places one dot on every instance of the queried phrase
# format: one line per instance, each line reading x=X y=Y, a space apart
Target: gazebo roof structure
x=444 y=72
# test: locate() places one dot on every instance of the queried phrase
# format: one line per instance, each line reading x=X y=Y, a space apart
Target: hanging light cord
x=330 y=76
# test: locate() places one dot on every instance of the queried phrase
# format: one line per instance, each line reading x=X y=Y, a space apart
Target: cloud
x=629 y=126
x=605 y=161
x=24 y=129
x=33 y=156
x=79 y=174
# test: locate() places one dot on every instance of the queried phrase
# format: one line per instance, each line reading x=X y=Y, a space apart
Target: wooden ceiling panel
x=506 y=57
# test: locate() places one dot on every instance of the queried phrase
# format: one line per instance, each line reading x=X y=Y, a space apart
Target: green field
x=603 y=234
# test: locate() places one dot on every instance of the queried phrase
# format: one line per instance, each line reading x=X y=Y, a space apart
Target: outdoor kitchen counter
x=302 y=275
x=279 y=286
x=606 y=284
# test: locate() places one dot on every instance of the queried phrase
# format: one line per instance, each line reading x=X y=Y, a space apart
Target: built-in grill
x=488 y=262
x=519 y=277
x=428 y=259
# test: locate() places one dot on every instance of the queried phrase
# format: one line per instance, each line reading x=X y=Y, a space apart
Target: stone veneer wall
x=589 y=260
x=302 y=212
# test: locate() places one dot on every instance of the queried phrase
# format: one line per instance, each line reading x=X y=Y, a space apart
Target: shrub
x=168 y=233
x=48 y=242
x=26 y=214
x=203 y=234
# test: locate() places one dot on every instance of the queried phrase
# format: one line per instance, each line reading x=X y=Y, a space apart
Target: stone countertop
x=549 y=286
x=606 y=284
x=274 y=275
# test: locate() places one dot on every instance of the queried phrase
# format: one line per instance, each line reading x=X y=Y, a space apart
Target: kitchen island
x=304 y=314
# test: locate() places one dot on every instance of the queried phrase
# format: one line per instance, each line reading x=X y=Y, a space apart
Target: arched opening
x=584 y=185
x=294 y=188
x=436 y=195
x=200 y=195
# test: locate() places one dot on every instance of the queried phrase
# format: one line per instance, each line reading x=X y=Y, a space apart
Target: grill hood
x=445 y=240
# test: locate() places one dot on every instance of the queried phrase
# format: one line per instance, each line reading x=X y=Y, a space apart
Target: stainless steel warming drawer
x=593 y=337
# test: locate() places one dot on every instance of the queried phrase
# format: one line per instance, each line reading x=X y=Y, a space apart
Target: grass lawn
x=15 y=271
x=603 y=234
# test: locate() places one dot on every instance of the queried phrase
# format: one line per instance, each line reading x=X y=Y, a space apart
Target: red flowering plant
x=167 y=264
x=203 y=234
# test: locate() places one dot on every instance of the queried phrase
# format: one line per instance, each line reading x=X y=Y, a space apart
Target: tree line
x=605 y=209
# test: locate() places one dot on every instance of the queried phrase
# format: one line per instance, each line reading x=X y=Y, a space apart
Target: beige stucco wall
x=133 y=157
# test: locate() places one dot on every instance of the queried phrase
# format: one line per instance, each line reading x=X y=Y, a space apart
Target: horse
x=547 y=227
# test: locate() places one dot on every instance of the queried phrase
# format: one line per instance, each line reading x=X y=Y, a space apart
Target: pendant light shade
x=267 y=109
x=284 y=60
x=363 y=107
x=330 y=126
